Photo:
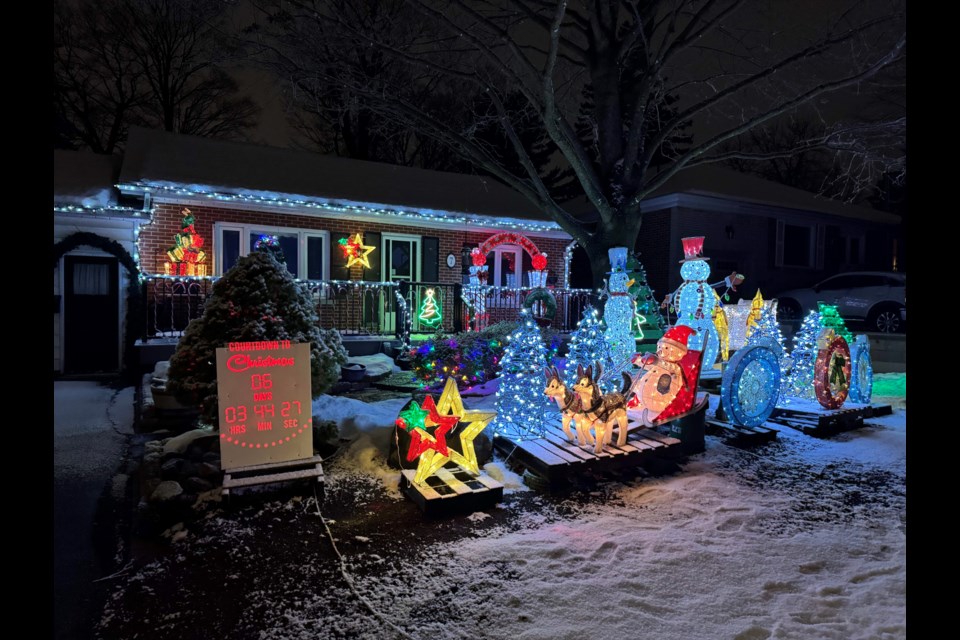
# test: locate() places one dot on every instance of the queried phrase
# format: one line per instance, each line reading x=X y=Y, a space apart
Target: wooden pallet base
x=828 y=423
x=554 y=458
x=261 y=474
x=451 y=491
x=740 y=436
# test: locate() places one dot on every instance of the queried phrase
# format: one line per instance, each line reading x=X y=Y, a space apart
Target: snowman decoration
x=695 y=300
x=618 y=312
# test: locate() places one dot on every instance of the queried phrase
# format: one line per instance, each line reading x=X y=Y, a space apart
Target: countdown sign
x=265 y=406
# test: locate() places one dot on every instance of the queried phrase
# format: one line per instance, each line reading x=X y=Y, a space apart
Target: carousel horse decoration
x=602 y=412
x=569 y=404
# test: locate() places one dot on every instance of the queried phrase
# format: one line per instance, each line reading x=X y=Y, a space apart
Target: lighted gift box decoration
x=744 y=317
x=355 y=251
x=187 y=257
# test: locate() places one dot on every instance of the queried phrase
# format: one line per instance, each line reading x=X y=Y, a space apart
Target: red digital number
x=286 y=406
x=235 y=414
x=260 y=381
x=263 y=410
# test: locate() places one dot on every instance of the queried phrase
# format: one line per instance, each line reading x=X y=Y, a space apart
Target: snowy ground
x=803 y=538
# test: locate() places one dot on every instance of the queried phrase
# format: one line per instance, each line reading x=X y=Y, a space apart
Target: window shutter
x=430 y=259
x=778 y=243
x=375 y=272
x=338 y=264
x=820 y=241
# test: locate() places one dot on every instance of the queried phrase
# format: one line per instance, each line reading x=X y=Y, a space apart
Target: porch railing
x=369 y=308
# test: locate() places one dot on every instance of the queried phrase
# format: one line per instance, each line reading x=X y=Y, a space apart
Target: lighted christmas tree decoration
x=355 y=251
x=588 y=345
x=430 y=309
x=647 y=321
x=830 y=318
x=187 y=257
x=768 y=328
x=831 y=379
x=861 y=371
x=618 y=312
x=521 y=403
x=799 y=381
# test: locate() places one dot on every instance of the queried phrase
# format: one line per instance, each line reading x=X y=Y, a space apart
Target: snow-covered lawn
x=804 y=538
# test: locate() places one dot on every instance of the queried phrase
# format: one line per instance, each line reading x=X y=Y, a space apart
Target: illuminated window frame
x=246 y=229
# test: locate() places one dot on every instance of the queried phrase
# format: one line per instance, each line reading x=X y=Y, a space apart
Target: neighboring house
x=779 y=237
x=94 y=235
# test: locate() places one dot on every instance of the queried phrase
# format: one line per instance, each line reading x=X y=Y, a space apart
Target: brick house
x=421 y=225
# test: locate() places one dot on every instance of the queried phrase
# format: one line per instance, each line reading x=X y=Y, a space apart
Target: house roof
x=166 y=159
x=713 y=180
x=732 y=186
x=84 y=179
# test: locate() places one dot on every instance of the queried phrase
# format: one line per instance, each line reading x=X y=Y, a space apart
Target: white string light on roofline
x=71 y=208
x=474 y=220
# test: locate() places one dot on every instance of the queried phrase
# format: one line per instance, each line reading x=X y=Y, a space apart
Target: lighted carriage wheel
x=831 y=373
x=861 y=380
x=751 y=384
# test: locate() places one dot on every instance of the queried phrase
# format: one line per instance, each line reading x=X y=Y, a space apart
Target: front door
x=400 y=262
x=91 y=315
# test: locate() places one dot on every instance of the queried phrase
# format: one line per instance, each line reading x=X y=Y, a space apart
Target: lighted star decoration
x=413 y=418
x=451 y=403
x=355 y=251
x=430 y=448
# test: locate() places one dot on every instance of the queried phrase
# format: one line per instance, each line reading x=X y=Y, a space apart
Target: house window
x=855 y=252
x=797 y=246
x=800 y=245
x=305 y=251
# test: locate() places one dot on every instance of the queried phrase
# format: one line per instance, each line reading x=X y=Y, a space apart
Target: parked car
x=876 y=297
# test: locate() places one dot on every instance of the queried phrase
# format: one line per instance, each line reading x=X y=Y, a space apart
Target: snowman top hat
x=692 y=249
x=618 y=260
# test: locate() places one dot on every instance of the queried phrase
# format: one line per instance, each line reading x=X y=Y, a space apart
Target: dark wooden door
x=90 y=315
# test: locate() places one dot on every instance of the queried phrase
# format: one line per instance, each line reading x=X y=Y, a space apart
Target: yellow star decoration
x=451 y=403
x=362 y=257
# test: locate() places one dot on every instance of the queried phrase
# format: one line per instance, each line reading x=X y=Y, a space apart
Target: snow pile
x=511 y=482
x=370 y=426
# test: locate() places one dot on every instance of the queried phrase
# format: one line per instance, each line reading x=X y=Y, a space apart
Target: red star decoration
x=444 y=424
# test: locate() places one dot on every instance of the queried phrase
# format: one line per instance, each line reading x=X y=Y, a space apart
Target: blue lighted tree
x=521 y=403
x=588 y=345
x=799 y=382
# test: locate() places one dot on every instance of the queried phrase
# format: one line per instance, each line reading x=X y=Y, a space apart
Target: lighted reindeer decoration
x=569 y=404
x=600 y=411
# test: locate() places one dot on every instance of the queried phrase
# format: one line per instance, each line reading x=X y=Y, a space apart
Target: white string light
x=246 y=198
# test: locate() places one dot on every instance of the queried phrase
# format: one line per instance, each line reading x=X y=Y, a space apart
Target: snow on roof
x=223 y=166
x=84 y=179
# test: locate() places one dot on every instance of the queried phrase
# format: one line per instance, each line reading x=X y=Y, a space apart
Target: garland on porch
x=135 y=316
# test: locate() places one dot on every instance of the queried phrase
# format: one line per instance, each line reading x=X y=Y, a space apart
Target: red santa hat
x=678 y=335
